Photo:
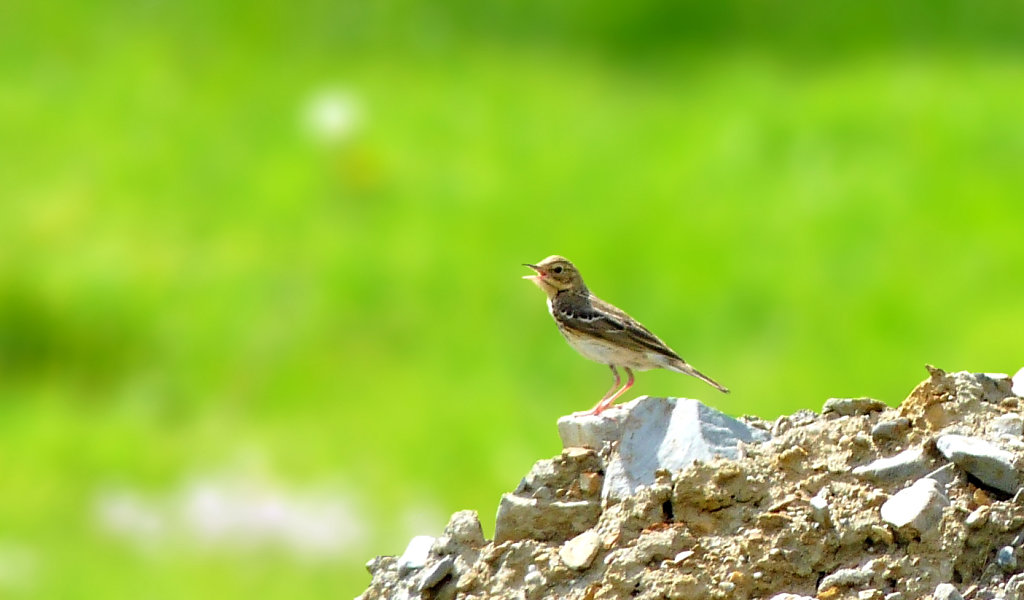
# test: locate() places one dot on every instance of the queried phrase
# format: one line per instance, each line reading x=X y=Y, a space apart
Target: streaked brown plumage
x=602 y=332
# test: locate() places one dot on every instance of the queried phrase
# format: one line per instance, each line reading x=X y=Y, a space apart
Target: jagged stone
x=670 y=433
x=463 y=529
x=989 y=463
x=436 y=573
x=593 y=431
x=550 y=504
x=909 y=464
x=918 y=506
x=528 y=518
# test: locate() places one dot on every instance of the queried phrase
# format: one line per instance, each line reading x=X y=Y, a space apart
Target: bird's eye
x=557 y=270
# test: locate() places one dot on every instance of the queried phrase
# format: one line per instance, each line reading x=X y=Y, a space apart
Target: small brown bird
x=602 y=332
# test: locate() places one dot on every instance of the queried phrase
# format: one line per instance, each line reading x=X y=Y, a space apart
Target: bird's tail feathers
x=684 y=367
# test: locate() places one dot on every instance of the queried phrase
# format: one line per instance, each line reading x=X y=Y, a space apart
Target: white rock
x=415 y=555
x=819 y=506
x=977 y=518
x=436 y=573
x=534 y=578
x=579 y=552
x=944 y=474
x=1006 y=559
x=659 y=433
x=989 y=463
x=845 y=578
x=1009 y=424
x=909 y=464
x=946 y=591
x=787 y=596
x=592 y=431
x=919 y=506
x=1018 y=383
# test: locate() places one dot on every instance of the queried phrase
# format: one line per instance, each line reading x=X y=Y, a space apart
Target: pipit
x=602 y=332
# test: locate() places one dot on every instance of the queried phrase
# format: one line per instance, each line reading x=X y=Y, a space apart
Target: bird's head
x=555 y=274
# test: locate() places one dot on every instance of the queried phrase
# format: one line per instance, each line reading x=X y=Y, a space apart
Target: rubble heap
x=668 y=498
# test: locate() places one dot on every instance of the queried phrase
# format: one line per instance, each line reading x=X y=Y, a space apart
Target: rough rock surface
x=778 y=519
x=656 y=433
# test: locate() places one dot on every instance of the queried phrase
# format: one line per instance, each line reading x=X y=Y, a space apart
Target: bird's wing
x=599 y=319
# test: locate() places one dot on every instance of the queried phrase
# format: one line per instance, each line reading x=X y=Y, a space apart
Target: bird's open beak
x=540 y=273
x=534 y=278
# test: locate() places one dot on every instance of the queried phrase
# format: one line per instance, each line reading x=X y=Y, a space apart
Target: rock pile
x=666 y=498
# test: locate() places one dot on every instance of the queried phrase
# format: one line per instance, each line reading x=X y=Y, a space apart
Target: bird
x=602 y=332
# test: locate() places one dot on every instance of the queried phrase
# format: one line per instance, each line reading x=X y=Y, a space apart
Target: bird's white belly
x=607 y=353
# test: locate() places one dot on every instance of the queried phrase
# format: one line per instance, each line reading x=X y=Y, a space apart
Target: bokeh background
x=261 y=315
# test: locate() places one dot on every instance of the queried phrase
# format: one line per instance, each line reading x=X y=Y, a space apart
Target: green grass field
x=261 y=315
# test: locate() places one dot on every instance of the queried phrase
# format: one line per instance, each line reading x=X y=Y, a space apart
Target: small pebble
x=977 y=518
x=819 y=507
x=891 y=430
x=845 y=578
x=946 y=591
x=1006 y=559
x=852 y=406
x=435 y=574
x=579 y=552
x=534 y=578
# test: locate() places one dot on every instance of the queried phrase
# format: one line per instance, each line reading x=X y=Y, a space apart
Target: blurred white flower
x=130 y=515
x=231 y=513
x=332 y=116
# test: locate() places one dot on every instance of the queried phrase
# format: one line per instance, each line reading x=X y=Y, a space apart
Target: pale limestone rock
x=579 y=552
x=989 y=463
x=909 y=464
x=918 y=506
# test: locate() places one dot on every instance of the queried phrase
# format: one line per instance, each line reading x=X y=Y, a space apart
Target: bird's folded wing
x=617 y=328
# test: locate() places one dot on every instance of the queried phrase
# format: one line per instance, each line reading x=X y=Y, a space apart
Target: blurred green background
x=261 y=315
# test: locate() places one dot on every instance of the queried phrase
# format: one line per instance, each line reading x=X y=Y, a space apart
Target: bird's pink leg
x=607 y=394
x=609 y=400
